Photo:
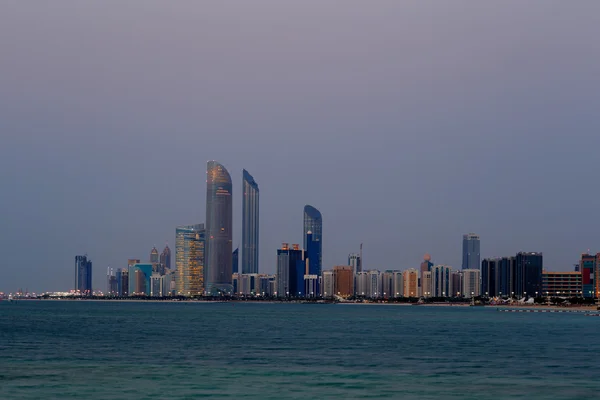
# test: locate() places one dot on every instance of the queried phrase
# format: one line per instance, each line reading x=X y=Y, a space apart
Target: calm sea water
x=104 y=350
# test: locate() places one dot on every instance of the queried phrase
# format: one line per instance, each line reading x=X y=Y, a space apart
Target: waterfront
x=181 y=350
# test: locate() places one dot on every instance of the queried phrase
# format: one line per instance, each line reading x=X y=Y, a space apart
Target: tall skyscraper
x=343 y=281
x=250 y=218
x=528 y=274
x=235 y=261
x=140 y=279
x=219 y=226
x=313 y=223
x=291 y=269
x=83 y=275
x=471 y=252
x=189 y=259
x=165 y=257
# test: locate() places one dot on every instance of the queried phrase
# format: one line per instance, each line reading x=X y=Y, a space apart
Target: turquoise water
x=104 y=350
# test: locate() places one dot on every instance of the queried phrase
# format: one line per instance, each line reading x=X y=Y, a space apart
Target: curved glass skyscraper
x=249 y=225
x=313 y=232
x=218 y=229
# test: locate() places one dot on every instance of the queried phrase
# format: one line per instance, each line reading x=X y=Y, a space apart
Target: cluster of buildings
x=206 y=263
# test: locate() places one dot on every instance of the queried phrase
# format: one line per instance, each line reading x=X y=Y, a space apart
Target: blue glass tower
x=83 y=275
x=471 y=258
x=313 y=244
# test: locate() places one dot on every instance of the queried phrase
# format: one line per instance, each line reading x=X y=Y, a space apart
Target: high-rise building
x=398 y=284
x=441 y=281
x=291 y=269
x=456 y=284
x=154 y=257
x=589 y=265
x=489 y=272
x=528 y=274
x=471 y=251
x=426 y=284
x=250 y=231
x=312 y=254
x=411 y=283
x=374 y=284
x=83 y=275
x=313 y=223
x=235 y=261
x=343 y=281
x=471 y=282
x=219 y=226
x=311 y=285
x=355 y=262
x=123 y=281
x=387 y=284
x=165 y=257
x=190 y=248
x=112 y=286
x=327 y=286
x=140 y=278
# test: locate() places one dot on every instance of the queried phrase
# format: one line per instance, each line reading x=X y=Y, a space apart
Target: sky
x=406 y=123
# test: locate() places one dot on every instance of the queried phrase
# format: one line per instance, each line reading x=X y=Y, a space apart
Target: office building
x=190 y=248
x=441 y=281
x=248 y=284
x=250 y=219
x=123 y=281
x=361 y=283
x=590 y=275
x=561 y=284
x=140 y=276
x=235 y=261
x=156 y=285
x=219 y=226
x=426 y=284
x=311 y=285
x=456 y=284
x=343 y=281
x=313 y=223
x=83 y=275
x=528 y=274
x=471 y=251
x=387 y=284
x=291 y=269
x=154 y=257
x=327 y=286
x=471 y=285
x=165 y=257
x=312 y=254
x=355 y=262
x=374 y=284
x=235 y=281
x=398 y=284
x=411 y=283
x=112 y=286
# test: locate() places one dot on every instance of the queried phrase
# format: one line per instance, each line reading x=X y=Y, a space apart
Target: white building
x=471 y=282
x=397 y=284
x=426 y=284
x=327 y=284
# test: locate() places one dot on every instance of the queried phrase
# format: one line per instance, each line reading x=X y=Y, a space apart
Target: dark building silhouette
x=250 y=224
x=219 y=224
x=83 y=275
x=313 y=223
x=165 y=257
x=235 y=261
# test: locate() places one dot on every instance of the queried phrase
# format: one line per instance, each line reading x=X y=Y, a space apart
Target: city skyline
x=438 y=121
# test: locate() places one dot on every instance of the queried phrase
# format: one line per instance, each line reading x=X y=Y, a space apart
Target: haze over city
x=407 y=124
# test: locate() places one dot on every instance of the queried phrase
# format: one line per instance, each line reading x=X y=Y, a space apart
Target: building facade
x=291 y=269
x=250 y=220
x=471 y=285
x=562 y=284
x=355 y=262
x=327 y=287
x=426 y=284
x=140 y=279
x=471 y=251
x=235 y=261
x=219 y=227
x=528 y=274
x=589 y=266
x=313 y=223
x=411 y=283
x=189 y=259
x=83 y=275
x=441 y=281
x=165 y=257
x=343 y=281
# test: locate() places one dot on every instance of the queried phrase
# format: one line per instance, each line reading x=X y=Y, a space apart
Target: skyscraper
x=313 y=223
x=219 y=225
x=343 y=281
x=165 y=257
x=83 y=275
x=441 y=281
x=528 y=274
x=189 y=259
x=154 y=257
x=470 y=283
x=355 y=262
x=290 y=271
x=250 y=220
x=410 y=277
x=471 y=252
x=235 y=261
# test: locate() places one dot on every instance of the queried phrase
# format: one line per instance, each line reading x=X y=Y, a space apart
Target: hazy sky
x=407 y=123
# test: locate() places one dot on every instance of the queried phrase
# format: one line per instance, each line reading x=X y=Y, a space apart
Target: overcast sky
x=406 y=123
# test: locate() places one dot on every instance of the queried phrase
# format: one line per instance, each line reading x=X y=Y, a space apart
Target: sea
x=189 y=350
